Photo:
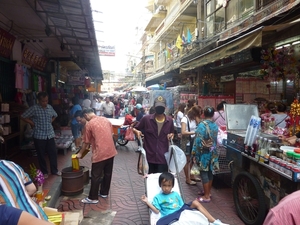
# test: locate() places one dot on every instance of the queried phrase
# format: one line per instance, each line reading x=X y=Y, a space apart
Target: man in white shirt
x=107 y=108
x=98 y=105
x=86 y=103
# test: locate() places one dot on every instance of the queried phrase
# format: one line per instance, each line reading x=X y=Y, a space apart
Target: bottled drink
x=255 y=146
x=262 y=150
x=267 y=152
x=259 y=145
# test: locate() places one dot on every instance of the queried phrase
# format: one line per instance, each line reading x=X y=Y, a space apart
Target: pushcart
x=119 y=131
x=257 y=186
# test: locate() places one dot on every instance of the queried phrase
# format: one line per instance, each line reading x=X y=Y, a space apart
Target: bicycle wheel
x=249 y=199
x=121 y=141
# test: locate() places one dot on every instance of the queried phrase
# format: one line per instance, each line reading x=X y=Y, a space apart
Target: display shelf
x=267 y=166
x=10 y=136
x=11 y=145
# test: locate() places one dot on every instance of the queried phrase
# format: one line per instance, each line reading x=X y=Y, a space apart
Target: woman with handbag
x=205 y=151
x=178 y=115
x=188 y=128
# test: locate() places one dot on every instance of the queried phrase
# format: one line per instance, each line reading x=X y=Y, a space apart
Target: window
x=161 y=59
x=220 y=20
x=210 y=26
x=215 y=17
x=246 y=8
x=231 y=12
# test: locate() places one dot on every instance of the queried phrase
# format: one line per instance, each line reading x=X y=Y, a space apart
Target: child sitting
x=170 y=202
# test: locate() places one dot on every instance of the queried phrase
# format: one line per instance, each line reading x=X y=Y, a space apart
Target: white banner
x=107 y=50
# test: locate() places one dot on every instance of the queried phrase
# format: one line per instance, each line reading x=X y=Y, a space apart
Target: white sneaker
x=218 y=222
x=89 y=201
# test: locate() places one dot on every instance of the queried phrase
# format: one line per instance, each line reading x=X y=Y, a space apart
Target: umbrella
x=139 y=89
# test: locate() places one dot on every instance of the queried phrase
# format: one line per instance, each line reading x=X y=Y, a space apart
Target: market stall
x=263 y=172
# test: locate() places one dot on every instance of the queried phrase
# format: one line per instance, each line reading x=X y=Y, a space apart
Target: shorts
x=206 y=176
x=75 y=130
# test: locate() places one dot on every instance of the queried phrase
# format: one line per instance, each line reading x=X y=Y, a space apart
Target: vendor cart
x=119 y=130
x=257 y=186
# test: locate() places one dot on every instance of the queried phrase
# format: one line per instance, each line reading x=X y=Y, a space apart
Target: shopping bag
x=195 y=170
x=142 y=165
x=180 y=158
x=129 y=135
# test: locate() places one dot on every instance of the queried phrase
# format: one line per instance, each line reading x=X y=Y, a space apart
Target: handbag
x=129 y=135
x=207 y=143
x=142 y=165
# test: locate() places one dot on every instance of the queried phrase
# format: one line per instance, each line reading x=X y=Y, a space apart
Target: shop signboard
x=34 y=59
x=73 y=80
x=6 y=43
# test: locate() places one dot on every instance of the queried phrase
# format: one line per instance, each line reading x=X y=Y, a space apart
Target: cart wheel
x=249 y=199
x=122 y=142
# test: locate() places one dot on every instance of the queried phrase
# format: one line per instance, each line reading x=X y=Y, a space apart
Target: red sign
x=6 y=43
x=33 y=59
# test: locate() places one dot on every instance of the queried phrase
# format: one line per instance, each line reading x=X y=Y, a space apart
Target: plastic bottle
x=267 y=152
x=255 y=146
x=262 y=150
x=258 y=152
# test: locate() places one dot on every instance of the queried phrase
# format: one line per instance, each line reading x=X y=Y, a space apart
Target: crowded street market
x=150 y=112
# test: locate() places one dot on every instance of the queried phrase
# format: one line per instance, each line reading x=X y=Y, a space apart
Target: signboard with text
x=107 y=50
x=76 y=80
x=34 y=59
x=6 y=43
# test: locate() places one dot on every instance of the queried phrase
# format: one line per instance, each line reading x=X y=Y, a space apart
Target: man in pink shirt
x=98 y=134
x=286 y=212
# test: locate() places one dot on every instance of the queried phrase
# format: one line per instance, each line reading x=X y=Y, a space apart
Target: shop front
x=42 y=59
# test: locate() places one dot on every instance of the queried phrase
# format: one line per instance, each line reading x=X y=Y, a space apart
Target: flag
x=179 y=42
x=189 y=36
x=183 y=39
x=169 y=47
x=167 y=53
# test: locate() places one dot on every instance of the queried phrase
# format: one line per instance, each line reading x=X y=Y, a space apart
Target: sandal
x=202 y=193
x=196 y=179
x=202 y=200
x=191 y=183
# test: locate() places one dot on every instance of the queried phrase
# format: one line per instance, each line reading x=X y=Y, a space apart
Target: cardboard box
x=67 y=218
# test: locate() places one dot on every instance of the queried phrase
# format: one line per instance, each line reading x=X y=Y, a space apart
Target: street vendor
x=294 y=139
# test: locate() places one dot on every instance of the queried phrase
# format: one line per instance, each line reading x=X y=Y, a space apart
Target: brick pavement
x=123 y=205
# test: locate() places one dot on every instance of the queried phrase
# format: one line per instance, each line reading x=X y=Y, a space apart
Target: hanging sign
x=227 y=78
x=6 y=43
x=72 y=80
x=34 y=59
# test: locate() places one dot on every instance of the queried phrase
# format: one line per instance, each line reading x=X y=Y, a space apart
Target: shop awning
x=157 y=75
x=247 y=41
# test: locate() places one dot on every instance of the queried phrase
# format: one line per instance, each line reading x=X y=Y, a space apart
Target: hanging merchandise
x=19 y=72
x=87 y=82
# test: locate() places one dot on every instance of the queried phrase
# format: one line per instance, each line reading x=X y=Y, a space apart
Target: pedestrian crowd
x=195 y=129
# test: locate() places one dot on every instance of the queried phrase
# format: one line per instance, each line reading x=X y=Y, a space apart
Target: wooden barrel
x=86 y=175
x=72 y=181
